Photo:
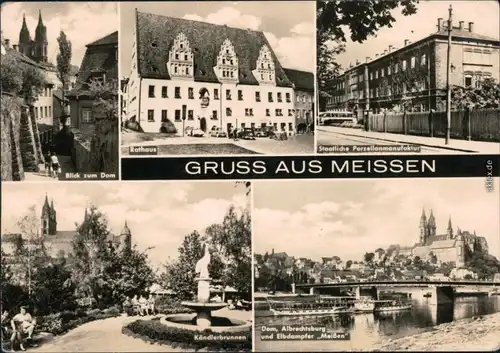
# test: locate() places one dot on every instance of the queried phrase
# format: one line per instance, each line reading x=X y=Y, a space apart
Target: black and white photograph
x=217 y=78
x=126 y=267
x=413 y=77
x=59 y=68
x=377 y=265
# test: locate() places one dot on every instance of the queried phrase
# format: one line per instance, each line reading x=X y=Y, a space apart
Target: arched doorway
x=203 y=124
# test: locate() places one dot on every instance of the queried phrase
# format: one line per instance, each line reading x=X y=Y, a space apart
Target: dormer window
x=226 y=67
x=181 y=58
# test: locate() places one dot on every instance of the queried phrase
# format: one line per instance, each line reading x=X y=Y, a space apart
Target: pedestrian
x=143 y=306
x=56 y=167
x=48 y=164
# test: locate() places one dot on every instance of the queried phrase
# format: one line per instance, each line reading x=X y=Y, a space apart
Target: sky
x=484 y=14
x=158 y=214
x=348 y=218
x=289 y=29
x=83 y=23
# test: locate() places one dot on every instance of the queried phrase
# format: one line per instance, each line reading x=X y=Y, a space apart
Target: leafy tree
x=232 y=242
x=12 y=75
x=64 y=65
x=179 y=275
x=368 y=257
x=485 y=95
x=64 y=60
x=348 y=264
x=89 y=251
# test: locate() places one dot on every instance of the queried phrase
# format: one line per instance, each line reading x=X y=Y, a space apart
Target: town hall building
x=199 y=75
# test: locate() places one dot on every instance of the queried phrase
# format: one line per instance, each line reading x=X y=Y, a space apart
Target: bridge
x=440 y=292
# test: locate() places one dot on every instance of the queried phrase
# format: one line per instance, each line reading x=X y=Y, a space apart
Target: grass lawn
x=131 y=137
x=198 y=149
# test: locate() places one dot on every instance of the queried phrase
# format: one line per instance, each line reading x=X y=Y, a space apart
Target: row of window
x=47 y=92
x=188 y=114
x=43 y=112
x=394 y=68
x=177 y=94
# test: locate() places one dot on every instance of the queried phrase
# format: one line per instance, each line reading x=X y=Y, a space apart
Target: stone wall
x=81 y=156
x=12 y=163
x=29 y=153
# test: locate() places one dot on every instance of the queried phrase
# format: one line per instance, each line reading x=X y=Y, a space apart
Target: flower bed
x=153 y=331
x=65 y=321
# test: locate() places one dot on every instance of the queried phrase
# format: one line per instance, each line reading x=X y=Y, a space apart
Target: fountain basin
x=219 y=324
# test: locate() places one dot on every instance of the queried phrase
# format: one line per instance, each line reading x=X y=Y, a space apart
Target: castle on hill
x=447 y=247
x=58 y=242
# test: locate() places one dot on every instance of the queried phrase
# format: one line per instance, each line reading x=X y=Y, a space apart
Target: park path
x=101 y=336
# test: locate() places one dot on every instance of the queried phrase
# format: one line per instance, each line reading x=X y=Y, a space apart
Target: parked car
x=261 y=133
x=197 y=133
x=246 y=134
x=217 y=132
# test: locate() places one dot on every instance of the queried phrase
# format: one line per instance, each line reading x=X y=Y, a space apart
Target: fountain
x=203 y=318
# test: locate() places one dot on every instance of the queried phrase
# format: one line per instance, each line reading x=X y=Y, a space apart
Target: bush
x=169 y=305
x=113 y=311
x=154 y=331
x=63 y=322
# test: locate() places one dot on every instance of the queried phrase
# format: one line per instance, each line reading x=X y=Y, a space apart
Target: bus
x=337 y=117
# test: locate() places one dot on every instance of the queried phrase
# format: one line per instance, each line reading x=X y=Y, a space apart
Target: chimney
x=7 y=43
x=460 y=25
x=407 y=41
x=385 y=52
x=357 y=62
x=367 y=58
x=440 y=24
x=15 y=47
x=390 y=48
x=471 y=26
x=376 y=55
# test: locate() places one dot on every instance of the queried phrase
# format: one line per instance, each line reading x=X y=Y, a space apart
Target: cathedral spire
x=24 y=34
x=450 y=229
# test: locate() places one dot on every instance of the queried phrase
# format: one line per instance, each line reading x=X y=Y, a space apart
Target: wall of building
x=303 y=105
x=239 y=108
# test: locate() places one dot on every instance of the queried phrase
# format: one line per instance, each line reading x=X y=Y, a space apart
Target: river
x=369 y=329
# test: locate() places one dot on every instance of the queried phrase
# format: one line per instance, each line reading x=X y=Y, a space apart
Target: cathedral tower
x=25 y=42
x=423 y=228
x=125 y=238
x=48 y=218
x=41 y=41
x=431 y=225
x=449 y=231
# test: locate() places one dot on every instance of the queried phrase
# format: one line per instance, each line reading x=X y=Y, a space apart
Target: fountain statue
x=203 y=307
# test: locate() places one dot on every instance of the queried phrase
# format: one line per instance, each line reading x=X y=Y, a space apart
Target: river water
x=369 y=329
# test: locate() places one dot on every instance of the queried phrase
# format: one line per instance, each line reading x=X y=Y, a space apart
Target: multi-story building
x=100 y=63
x=200 y=75
x=415 y=74
x=303 y=88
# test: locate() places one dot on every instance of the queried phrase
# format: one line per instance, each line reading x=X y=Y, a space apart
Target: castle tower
x=423 y=228
x=25 y=43
x=41 y=41
x=125 y=238
x=431 y=225
x=460 y=245
x=449 y=231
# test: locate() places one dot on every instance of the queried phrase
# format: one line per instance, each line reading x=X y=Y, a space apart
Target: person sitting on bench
x=22 y=323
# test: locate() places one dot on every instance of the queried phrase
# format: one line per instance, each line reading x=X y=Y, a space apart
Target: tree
x=368 y=257
x=348 y=264
x=89 y=250
x=179 y=275
x=486 y=94
x=64 y=60
x=232 y=242
x=12 y=75
x=64 y=65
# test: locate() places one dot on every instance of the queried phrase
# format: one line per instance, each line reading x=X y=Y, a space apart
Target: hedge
x=153 y=331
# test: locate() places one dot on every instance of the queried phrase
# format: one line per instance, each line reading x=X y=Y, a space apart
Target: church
x=451 y=246
x=60 y=242
x=200 y=75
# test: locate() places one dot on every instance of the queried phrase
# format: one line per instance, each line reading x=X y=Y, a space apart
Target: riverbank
x=480 y=333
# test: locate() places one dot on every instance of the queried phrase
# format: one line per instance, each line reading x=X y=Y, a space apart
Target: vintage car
x=246 y=134
x=217 y=132
x=197 y=133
